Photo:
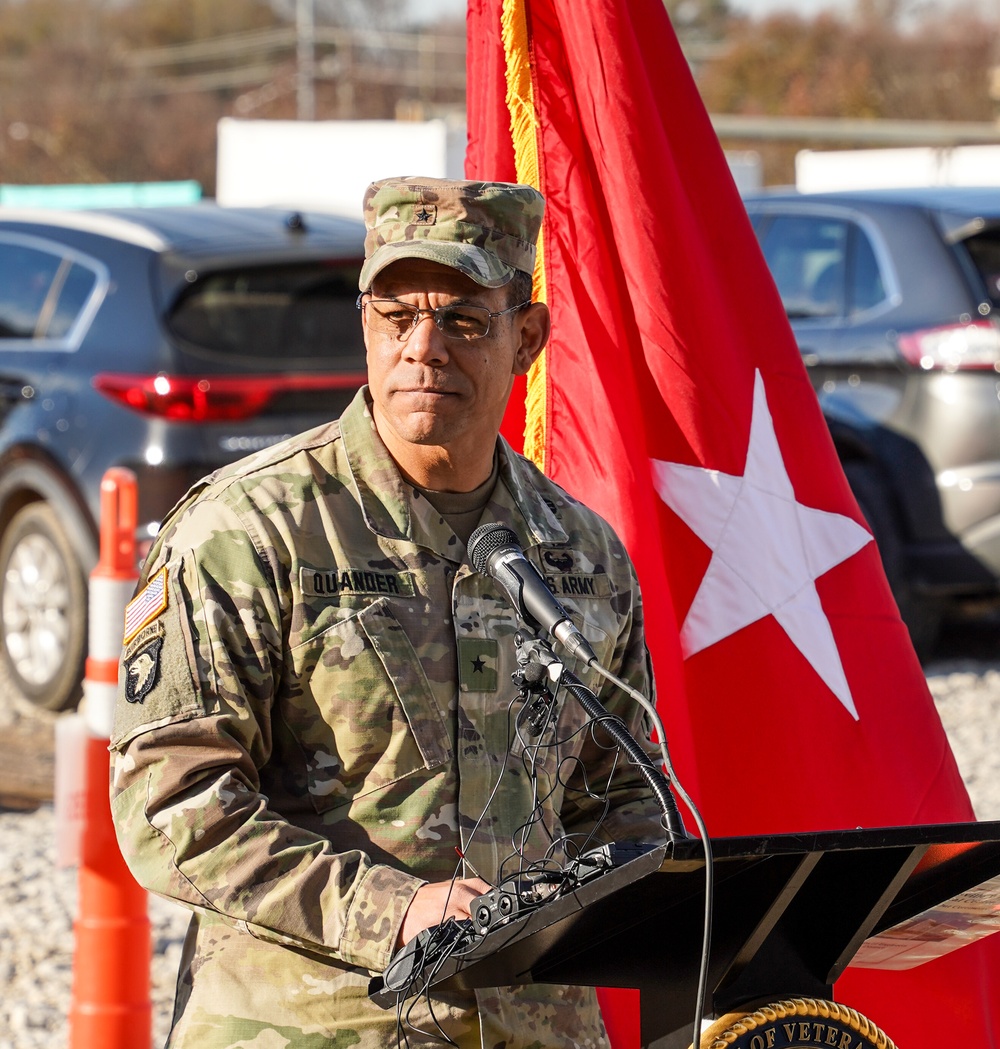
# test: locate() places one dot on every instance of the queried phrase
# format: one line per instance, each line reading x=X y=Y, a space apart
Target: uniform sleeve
x=633 y=813
x=200 y=668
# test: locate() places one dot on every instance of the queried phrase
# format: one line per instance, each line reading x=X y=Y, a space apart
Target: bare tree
x=132 y=90
x=879 y=63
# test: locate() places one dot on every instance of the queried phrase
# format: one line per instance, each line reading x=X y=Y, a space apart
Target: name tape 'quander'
x=338 y=582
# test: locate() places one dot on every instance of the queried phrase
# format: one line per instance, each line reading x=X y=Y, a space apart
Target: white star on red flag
x=767 y=550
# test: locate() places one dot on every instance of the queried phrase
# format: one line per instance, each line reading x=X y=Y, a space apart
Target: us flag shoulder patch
x=146 y=605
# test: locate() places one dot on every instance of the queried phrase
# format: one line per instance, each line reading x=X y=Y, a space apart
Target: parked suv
x=167 y=340
x=894 y=297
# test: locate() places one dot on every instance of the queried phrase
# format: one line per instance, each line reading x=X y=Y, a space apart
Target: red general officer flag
x=673 y=399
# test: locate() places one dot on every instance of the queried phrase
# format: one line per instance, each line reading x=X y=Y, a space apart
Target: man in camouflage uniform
x=314 y=709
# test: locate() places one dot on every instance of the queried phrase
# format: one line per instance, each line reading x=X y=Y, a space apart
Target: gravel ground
x=968 y=700
x=37 y=907
x=38 y=901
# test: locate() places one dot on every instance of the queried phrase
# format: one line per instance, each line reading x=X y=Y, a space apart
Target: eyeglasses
x=389 y=317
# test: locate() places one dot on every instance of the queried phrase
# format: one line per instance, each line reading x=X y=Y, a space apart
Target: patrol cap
x=486 y=230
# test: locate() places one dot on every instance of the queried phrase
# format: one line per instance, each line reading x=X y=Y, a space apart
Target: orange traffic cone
x=111 y=1006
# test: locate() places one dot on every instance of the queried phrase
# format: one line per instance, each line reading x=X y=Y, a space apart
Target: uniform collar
x=395 y=510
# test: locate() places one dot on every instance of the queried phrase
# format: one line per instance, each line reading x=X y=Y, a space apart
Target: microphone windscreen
x=485 y=540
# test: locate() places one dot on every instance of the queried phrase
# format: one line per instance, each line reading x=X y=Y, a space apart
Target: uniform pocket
x=363 y=712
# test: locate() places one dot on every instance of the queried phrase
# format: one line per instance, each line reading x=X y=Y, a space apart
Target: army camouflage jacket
x=314 y=711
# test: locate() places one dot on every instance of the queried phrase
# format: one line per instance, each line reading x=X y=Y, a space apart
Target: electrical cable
x=706 y=841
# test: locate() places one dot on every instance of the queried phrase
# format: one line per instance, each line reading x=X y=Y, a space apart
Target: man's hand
x=439 y=900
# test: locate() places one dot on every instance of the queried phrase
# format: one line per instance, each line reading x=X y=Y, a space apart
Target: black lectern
x=791 y=911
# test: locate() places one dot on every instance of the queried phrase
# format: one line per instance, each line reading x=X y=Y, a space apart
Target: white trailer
x=326 y=165
x=817 y=171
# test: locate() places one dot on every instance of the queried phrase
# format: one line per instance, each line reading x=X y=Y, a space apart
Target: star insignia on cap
x=424 y=214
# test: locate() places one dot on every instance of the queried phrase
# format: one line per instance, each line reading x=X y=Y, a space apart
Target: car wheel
x=43 y=609
x=922 y=615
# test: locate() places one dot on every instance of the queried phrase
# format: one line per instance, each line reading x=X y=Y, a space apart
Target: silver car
x=894 y=298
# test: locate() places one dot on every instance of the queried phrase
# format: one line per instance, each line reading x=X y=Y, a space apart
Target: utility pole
x=305 y=56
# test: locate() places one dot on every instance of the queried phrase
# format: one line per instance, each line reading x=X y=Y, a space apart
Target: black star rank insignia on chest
x=477 y=664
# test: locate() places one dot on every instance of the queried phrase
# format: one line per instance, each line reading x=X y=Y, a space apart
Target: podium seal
x=801 y=1023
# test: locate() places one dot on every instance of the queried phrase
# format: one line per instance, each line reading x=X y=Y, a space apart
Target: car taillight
x=211 y=398
x=953 y=346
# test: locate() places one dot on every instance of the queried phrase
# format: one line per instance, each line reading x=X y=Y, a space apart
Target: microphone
x=495 y=551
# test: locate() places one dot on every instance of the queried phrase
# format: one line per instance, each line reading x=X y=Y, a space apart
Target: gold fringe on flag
x=523 y=125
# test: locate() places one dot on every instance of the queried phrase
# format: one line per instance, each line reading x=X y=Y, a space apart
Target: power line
x=235 y=45
x=423 y=61
x=232 y=45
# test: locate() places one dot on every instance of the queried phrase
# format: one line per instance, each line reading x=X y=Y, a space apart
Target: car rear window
x=823 y=266
x=984 y=250
x=807 y=258
x=280 y=316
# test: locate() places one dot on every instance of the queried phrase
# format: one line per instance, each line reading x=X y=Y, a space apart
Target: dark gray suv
x=894 y=297
x=167 y=340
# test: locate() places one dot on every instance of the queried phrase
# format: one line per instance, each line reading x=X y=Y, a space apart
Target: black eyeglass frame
x=436 y=315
